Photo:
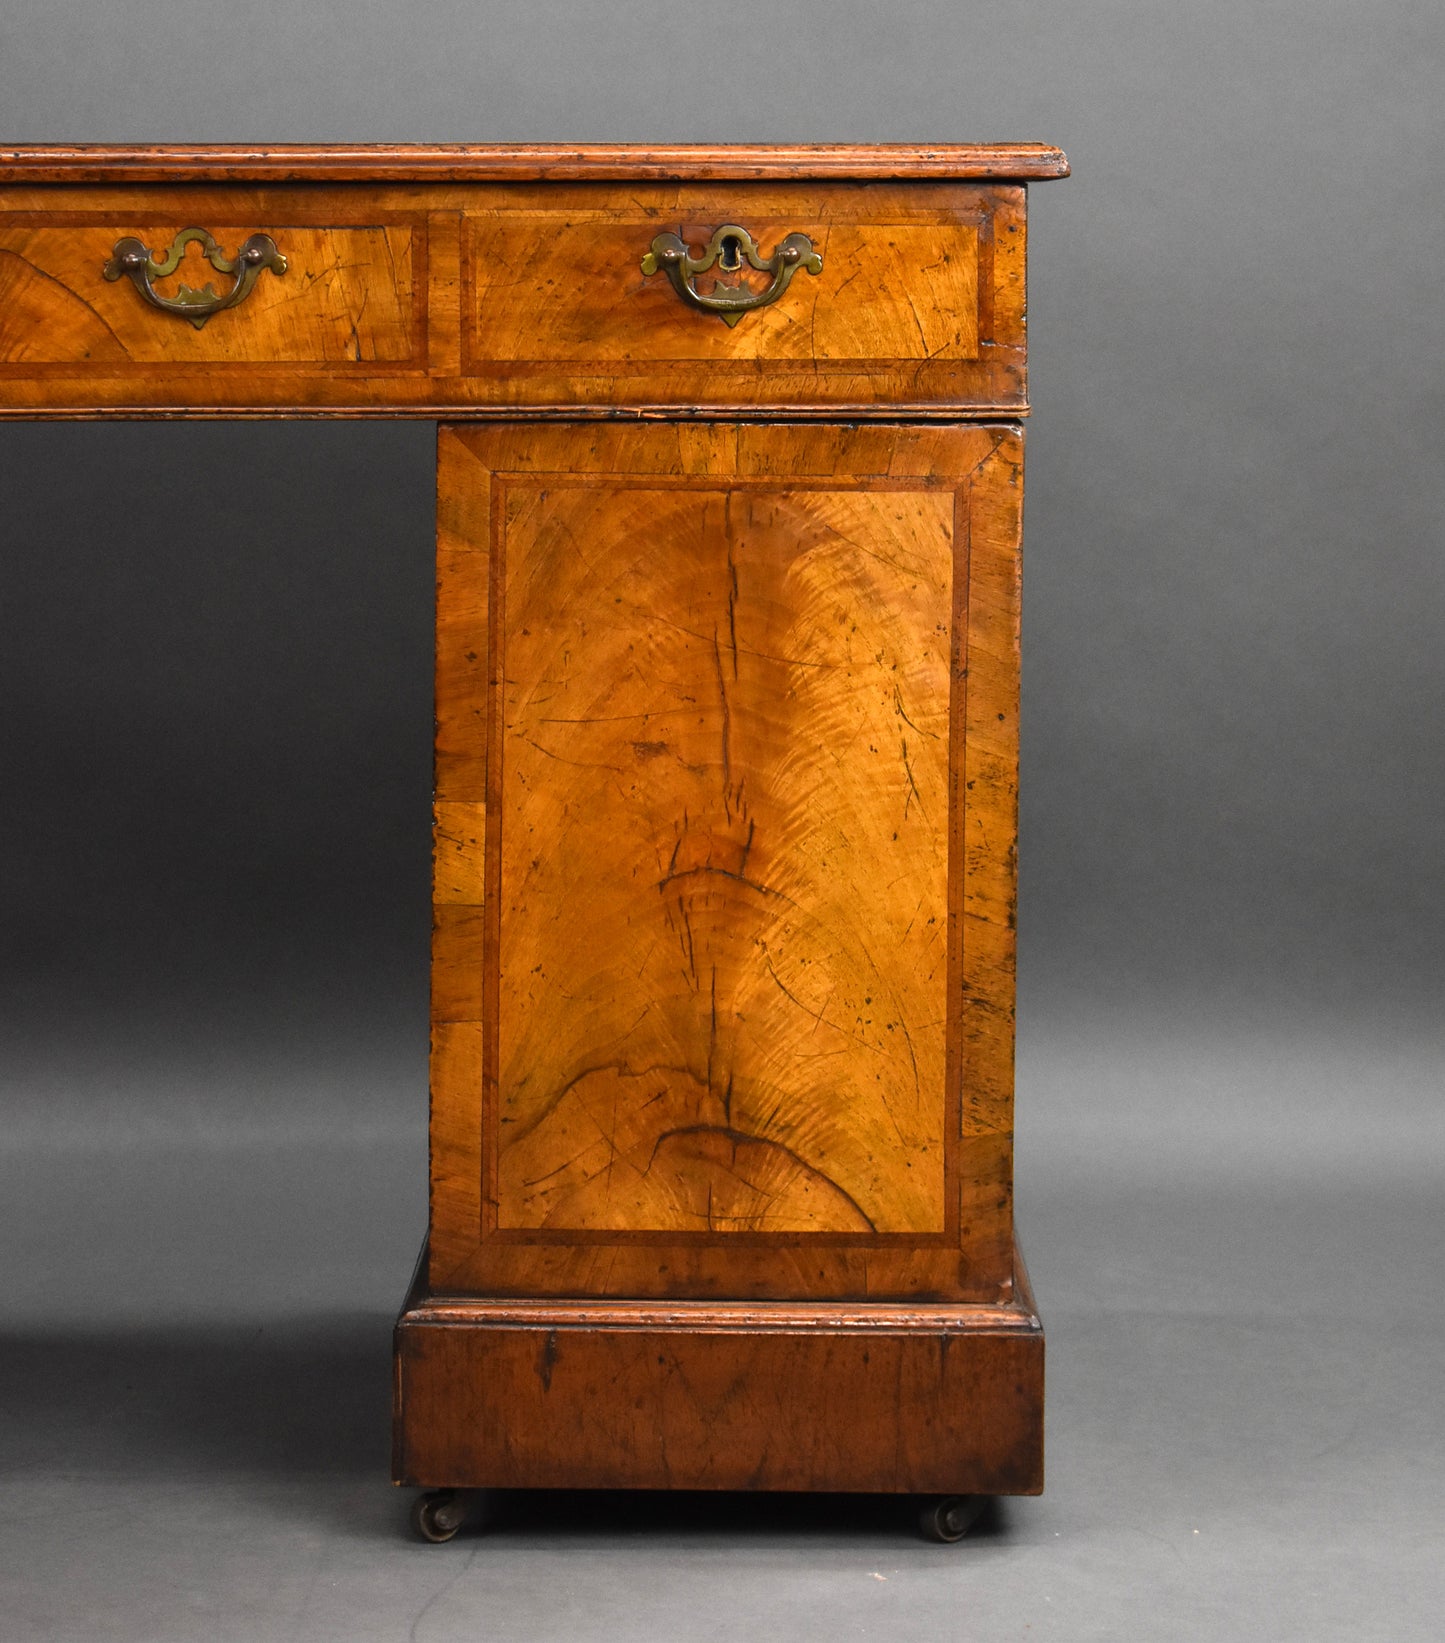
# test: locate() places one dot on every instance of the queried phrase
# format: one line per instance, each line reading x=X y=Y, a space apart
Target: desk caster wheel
x=438 y=1515
x=947 y=1518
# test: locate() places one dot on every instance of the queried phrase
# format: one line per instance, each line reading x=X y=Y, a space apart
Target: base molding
x=787 y=1395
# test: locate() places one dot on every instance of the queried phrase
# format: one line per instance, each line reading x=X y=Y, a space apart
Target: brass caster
x=437 y=1515
x=948 y=1518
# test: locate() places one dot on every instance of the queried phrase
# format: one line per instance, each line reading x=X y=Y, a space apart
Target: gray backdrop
x=215 y=732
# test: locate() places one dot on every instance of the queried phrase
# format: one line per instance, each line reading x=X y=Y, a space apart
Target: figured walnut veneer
x=723 y=845
x=457 y=299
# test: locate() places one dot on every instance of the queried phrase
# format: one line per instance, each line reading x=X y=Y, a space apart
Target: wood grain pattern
x=346 y=300
x=504 y=162
x=725 y=1396
x=731 y=761
x=443 y=299
x=555 y=275
x=909 y=299
x=734 y=1036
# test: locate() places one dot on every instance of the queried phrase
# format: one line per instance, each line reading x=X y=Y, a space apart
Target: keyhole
x=730 y=257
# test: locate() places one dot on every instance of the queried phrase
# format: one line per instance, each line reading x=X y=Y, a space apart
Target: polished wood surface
x=726 y=771
x=521 y=162
x=577 y=1394
x=449 y=300
x=351 y=296
x=919 y=301
x=739 y=1023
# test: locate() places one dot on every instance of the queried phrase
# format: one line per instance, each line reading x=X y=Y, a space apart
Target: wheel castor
x=948 y=1518
x=438 y=1515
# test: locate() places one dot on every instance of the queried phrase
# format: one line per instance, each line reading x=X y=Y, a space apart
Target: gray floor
x=1245 y=1383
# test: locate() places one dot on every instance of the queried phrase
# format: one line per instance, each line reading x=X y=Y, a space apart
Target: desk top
x=520 y=162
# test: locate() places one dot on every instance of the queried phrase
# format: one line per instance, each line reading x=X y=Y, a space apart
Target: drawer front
x=919 y=298
x=444 y=299
x=350 y=296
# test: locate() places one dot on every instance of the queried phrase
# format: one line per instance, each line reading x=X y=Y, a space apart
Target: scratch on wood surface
x=899 y=709
x=913 y=792
x=722 y=690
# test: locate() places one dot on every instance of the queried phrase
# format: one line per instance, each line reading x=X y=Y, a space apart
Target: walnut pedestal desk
x=729 y=494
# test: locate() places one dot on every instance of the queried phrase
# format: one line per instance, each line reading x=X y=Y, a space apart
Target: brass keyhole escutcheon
x=727 y=251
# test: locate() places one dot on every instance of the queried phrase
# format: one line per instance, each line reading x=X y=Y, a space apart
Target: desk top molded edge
x=528 y=162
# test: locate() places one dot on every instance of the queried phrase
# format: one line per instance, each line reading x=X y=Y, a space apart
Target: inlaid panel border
x=981 y=463
x=502 y=484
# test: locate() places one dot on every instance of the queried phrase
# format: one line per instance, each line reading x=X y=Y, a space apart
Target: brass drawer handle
x=726 y=249
x=133 y=261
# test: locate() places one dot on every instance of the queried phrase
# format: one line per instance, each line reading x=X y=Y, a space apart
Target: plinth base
x=884 y=1397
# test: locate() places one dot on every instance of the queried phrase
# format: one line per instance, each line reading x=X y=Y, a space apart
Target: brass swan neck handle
x=133 y=261
x=726 y=250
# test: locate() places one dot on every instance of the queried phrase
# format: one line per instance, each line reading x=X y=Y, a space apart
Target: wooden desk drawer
x=350 y=297
x=446 y=299
x=919 y=299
